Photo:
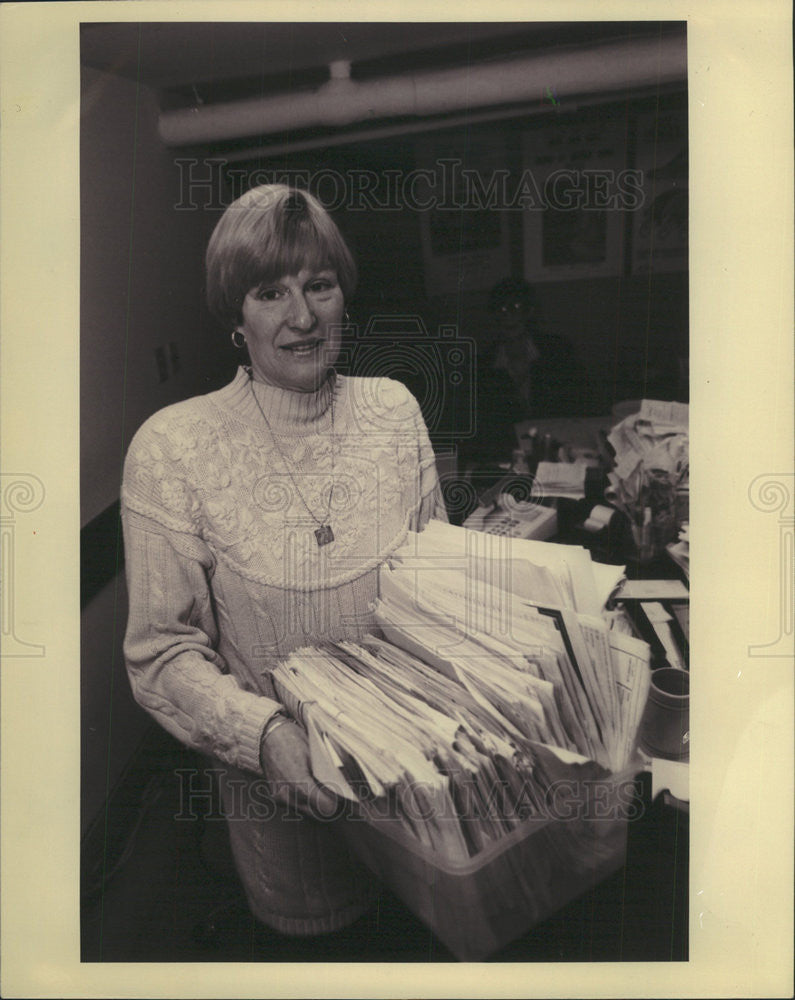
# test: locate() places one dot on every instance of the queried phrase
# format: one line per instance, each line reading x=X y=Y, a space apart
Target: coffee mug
x=665 y=726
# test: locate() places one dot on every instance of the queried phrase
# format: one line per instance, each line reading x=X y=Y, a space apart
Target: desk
x=585 y=439
x=614 y=544
x=577 y=432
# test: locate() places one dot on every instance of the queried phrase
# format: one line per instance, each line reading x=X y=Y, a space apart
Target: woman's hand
x=284 y=756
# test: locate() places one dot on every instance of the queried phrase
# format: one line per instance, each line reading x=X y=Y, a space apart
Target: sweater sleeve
x=170 y=646
x=431 y=500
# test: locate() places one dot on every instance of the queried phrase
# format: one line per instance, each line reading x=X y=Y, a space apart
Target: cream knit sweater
x=225 y=576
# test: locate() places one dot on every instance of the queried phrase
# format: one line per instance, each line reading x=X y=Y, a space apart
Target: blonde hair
x=271 y=231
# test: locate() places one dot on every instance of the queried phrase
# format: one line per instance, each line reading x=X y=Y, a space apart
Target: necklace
x=323 y=533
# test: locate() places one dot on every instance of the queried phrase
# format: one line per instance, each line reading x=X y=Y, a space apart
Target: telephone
x=505 y=515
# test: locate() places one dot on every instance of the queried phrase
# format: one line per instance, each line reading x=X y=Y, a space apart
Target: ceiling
x=196 y=63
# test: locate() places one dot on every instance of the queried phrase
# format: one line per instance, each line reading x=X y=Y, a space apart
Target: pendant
x=324 y=535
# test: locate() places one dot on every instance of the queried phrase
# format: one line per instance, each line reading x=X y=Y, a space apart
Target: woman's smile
x=303 y=348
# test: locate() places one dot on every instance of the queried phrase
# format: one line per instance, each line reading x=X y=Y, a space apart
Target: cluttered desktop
x=617 y=486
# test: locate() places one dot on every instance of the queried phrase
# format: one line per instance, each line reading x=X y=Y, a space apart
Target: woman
x=255 y=518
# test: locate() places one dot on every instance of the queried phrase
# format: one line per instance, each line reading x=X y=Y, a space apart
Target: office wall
x=141 y=281
x=627 y=331
x=141 y=289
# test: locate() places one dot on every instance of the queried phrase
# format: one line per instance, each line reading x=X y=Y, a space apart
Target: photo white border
x=740 y=98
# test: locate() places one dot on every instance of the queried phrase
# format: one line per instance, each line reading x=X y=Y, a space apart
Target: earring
x=346 y=318
x=239 y=344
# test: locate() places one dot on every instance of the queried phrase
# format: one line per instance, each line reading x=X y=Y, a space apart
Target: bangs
x=301 y=244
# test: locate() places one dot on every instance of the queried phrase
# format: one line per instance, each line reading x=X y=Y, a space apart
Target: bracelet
x=278 y=718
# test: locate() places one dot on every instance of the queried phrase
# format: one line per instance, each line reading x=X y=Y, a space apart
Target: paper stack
x=679 y=550
x=495 y=612
x=650 y=481
x=494 y=675
x=560 y=479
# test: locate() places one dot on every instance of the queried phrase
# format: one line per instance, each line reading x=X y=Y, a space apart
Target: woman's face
x=292 y=328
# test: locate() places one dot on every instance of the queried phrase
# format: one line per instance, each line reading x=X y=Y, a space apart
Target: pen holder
x=665 y=726
x=651 y=533
x=644 y=544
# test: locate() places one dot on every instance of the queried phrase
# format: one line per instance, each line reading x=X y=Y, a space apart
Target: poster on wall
x=465 y=236
x=573 y=186
x=659 y=229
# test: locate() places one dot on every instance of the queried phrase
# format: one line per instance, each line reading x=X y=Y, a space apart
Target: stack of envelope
x=494 y=671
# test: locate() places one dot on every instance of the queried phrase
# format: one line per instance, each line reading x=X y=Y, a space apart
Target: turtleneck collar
x=284 y=409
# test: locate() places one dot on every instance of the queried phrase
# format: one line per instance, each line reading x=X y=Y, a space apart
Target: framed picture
x=463 y=229
x=660 y=226
x=574 y=185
